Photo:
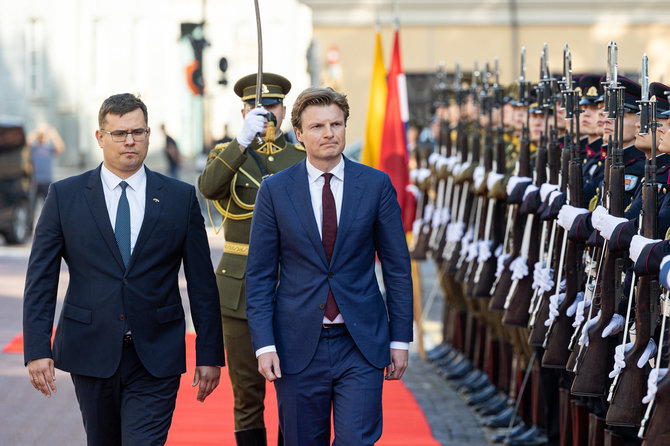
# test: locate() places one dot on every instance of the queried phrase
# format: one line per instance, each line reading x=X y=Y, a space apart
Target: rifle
x=520 y=294
x=558 y=334
x=658 y=432
x=494 y=234
x=629 y=387
x=482 y=222
x=515 y=223
x=591 y=376
x=468 y=212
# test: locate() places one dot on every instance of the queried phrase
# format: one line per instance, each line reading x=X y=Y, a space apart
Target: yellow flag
x=376 y=109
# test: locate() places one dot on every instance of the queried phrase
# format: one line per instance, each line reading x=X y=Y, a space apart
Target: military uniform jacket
x=231 y=180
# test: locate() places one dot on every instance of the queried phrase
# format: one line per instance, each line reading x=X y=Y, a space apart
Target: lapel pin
x=156 y=200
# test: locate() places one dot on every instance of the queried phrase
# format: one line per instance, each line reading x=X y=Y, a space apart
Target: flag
x=393 y=155
x=376 y=109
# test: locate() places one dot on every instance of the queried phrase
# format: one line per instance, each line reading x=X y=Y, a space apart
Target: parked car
x=17 y=188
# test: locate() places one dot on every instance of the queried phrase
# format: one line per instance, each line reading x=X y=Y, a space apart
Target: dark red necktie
x=328 y=235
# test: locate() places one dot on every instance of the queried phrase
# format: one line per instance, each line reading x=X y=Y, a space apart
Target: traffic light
x=195 y=35
x=223 y=66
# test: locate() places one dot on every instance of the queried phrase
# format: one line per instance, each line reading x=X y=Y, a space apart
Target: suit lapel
x=95 y=197
x=301 y=200
x=152 y=211
x=351 y=195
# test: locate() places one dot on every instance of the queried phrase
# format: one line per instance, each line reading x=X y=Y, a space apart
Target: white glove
x=584 y=338
x=572 y=309
x=581 y=312
x=519 y=268
x=652 y=384
x=423 y=174
x=433 y=158
x=455 y=231
x=428 y=213
x=441 y=162
x=254 y=123
x=493 y=178
x=452 y=161
x=478 y=176
x=501 y=264
x=637 y=244
x=606 y=223
x=546 y=189
x=437 y=218
x=473 y=250
x=529 y=190
x=537 y=274
x=568 y=214
x=615 y=326
x=446 y=215
x=598 y=213
x=484 y=251
x=561 y=286
x=555 y=301
x=465 y=242
x=619 y=358
x=514 y=180
x=546 y=279
x=649 y=351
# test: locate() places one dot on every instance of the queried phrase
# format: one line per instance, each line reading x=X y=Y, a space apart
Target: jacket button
x=223 y=271
x=330 y=275
x=322 y=306
x=122 y=317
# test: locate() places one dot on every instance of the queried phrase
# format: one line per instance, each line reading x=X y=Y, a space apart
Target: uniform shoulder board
x=630 y=182
x=299 y=146
x=667 y=234
x=216 y=150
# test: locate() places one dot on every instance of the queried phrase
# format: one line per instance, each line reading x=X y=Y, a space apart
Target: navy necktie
x=328 y=235
x=122 y=226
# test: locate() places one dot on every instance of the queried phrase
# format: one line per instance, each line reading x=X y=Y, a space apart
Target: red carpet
x=211 y=422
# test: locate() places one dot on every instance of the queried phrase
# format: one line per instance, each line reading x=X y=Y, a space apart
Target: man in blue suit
x=320 y=326
x=124 y=232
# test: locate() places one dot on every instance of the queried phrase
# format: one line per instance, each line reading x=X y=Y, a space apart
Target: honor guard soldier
x=231 y=179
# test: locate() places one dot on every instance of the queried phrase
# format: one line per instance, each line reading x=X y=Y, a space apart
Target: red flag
x=393 y=156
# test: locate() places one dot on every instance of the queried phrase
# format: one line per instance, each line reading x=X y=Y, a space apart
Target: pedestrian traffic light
x=195 y=35
x=223 y=66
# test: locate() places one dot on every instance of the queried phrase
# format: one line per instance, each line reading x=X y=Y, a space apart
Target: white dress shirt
x=136 y=193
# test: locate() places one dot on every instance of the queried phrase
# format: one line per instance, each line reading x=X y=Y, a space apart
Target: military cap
x=660 y=91
x=273 y=89
x=631 y=95
x=591 y=89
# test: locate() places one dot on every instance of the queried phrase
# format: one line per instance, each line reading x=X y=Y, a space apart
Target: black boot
x=251 y=437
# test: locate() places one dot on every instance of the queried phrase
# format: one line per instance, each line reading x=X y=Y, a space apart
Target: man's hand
x=399 y=359
x=254 y=123
x=208 y=377
x=42 y=375
x=268 y=366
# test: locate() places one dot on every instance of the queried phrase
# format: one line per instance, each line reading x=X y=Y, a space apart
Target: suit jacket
x=288 y=275
x=102 y=293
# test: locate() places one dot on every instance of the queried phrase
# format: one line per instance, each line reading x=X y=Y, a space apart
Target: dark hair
x=317 y=96
x=120 y=104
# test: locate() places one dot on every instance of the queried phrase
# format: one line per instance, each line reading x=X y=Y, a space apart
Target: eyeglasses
x=121 y=135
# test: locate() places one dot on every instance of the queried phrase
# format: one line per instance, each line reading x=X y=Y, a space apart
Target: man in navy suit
x=320 y=326
x=124 y=232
